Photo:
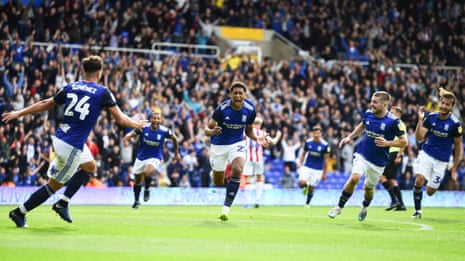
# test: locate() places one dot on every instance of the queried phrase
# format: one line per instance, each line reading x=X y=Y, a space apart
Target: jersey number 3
x=77 y=105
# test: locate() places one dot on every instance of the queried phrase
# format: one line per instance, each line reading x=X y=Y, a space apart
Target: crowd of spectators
x=290 y=95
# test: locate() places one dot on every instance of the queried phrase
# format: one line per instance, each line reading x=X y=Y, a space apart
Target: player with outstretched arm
x=83 y=102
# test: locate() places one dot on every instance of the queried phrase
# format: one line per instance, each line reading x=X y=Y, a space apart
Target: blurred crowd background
x=427 y=37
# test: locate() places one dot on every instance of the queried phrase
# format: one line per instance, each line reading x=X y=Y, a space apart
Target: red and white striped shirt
x=254 y=150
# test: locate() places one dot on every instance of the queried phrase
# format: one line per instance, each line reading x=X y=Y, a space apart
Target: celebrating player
x=380 y=127
x=83 y=101
x=316 y=155
x=150 y=154
x=226 y=129
x=440 y=131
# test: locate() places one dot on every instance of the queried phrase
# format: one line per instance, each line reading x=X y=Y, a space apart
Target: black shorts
x=390 y=171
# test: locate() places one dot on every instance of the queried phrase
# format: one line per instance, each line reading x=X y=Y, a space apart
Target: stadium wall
x=215 y=196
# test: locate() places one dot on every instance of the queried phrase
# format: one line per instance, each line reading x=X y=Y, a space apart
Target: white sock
x=22 y=209
x=248 y=192
x=225 y=210
x=259 y=187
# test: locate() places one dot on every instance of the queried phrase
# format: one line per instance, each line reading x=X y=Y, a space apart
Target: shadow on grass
x=445 y=221
x=375 y=227
x=213 y=224
x=43 y=230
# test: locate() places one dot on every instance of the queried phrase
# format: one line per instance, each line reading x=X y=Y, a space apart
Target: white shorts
x=221 y=155
x=67 y=160
x=252 y=168
x=371 y=171
x=312 y=176
x=139 y=165
x=432 y=169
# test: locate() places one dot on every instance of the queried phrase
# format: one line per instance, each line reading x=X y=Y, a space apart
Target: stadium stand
x=408 y=48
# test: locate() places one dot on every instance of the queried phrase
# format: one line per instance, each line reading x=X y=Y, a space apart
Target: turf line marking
x=422 y=226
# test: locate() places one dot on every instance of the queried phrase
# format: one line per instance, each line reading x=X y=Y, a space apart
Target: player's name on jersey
x=84 y=88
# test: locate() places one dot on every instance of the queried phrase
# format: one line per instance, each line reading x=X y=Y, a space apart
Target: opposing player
x=389 y=177
x=380 y=128
x=83 y=101
x=150 y=155
x=255 y=162
x=316 y=154
x=226 y=131
x=441 y=131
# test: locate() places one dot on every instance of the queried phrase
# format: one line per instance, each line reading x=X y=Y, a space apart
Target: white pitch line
x=422 y=226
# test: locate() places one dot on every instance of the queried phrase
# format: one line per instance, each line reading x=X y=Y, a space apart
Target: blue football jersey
x=232 y=122
x=387 y=127
x=83 y=102
x=440 y=135
x=152 y=141
x=315 y=153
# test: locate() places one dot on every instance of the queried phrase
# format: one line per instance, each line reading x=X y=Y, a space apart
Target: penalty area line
x=421 y=226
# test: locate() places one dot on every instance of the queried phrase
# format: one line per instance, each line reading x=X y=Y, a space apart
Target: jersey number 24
x=77 y=105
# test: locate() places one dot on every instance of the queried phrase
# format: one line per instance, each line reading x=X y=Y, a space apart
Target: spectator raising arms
x=331 y=88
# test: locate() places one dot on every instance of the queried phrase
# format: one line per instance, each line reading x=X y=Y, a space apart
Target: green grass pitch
x=268 y=233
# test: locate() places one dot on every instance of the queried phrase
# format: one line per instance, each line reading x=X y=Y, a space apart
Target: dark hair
x=238 y=84
x=92 y=64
